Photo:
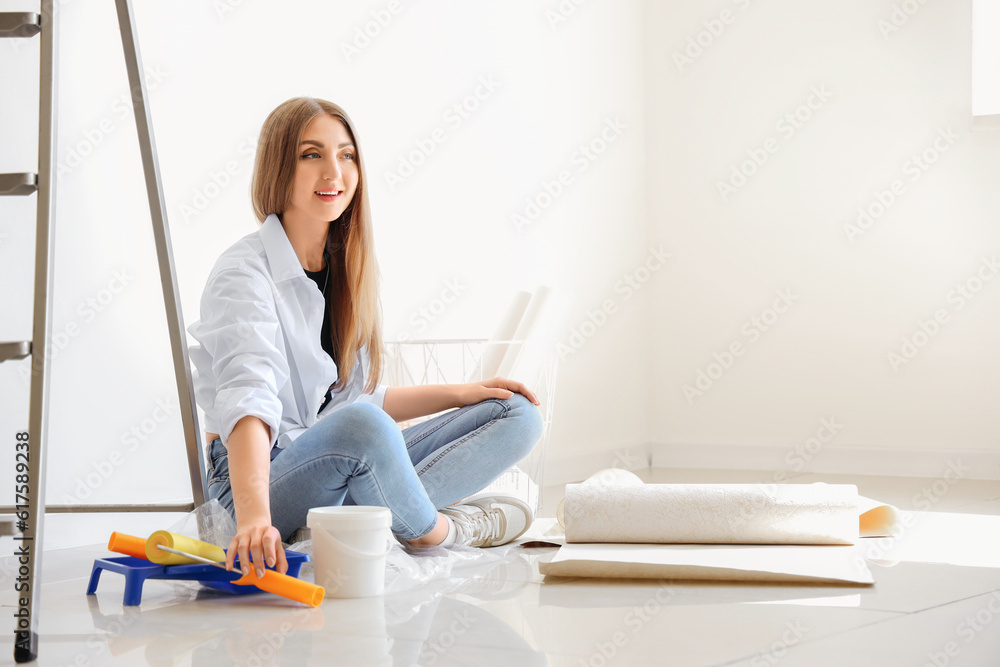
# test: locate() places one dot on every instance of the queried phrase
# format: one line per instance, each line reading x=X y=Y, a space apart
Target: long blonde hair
x=355 y=308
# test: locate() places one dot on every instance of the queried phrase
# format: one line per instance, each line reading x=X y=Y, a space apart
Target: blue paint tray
x=138 y=570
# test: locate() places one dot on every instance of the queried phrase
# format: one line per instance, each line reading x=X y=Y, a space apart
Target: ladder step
x=7 y=525
x=19 y=24
x=23 y=183
x=18 y=350
x=71 y=509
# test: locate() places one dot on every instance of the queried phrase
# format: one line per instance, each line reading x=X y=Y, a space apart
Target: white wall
x=213 y=79
x=895 y=81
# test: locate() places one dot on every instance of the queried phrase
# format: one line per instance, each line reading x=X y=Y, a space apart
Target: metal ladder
x=34 y=442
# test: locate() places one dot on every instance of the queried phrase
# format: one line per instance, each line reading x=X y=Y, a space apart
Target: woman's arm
x=249 y=476
x=403 y=403
x=241 y=356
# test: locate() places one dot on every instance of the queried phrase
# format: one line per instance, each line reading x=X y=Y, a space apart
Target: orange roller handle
x=285 y=586
x=130 y=545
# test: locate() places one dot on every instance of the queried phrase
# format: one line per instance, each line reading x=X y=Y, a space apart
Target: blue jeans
x=359 y=456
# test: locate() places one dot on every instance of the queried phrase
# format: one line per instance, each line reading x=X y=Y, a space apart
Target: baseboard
x=987 y=122
x=927 y=463
x=576 y=468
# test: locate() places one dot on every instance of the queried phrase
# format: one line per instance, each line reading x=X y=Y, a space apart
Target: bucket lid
x=367 y=516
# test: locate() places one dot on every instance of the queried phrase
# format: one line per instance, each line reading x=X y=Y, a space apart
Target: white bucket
x=350 y=544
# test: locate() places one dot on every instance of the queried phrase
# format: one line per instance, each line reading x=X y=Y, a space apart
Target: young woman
x=289 y=359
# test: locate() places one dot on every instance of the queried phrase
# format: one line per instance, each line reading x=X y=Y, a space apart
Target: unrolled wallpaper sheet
x=719 y=562
x=691 y=531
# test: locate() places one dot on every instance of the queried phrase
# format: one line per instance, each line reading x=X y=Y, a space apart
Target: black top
x=319 y=277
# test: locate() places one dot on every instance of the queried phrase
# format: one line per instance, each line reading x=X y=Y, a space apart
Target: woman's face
x=326 y=162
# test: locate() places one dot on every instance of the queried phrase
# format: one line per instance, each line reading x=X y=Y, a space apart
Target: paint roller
x=130 y=545
x=183 y=543
x=166 y=548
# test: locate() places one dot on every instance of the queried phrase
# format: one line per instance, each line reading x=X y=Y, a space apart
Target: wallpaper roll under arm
x=815 y=513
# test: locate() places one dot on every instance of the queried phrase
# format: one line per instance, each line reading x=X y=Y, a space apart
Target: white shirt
x=259 y=335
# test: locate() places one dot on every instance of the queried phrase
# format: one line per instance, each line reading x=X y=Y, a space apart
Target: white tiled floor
x=936 y=602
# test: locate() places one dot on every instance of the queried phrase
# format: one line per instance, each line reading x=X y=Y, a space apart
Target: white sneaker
x=489 y=521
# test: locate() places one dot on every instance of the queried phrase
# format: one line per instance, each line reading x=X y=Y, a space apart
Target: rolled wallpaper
x=526 y=328
x=815 y=513
x=494 y=353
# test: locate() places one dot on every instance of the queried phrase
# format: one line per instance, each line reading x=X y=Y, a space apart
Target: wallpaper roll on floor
x=815 y=513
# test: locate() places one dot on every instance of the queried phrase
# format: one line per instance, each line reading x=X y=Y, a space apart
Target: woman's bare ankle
x=435 y=537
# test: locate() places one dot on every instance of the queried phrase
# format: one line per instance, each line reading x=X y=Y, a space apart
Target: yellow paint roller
x=180 y=543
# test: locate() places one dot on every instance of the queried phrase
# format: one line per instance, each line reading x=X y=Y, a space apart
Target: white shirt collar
x=280 y=253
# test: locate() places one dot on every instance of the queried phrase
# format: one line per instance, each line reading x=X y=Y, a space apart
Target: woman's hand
x=257 y=540
x=498 y=387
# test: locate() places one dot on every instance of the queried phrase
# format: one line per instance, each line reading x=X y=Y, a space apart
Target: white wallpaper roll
x=489 y=364
x=525 y=328
x=816 y=513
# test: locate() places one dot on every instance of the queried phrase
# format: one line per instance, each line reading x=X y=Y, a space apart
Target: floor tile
x=893 y=591
x=965 y=633
x=641 y=622
x=991 y=506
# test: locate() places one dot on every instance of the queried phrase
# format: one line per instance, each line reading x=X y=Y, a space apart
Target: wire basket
x=463 y=360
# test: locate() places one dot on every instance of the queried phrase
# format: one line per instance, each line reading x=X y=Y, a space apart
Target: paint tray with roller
x=137 y=566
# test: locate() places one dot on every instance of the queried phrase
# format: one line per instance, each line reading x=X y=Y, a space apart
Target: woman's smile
x=330 y=198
